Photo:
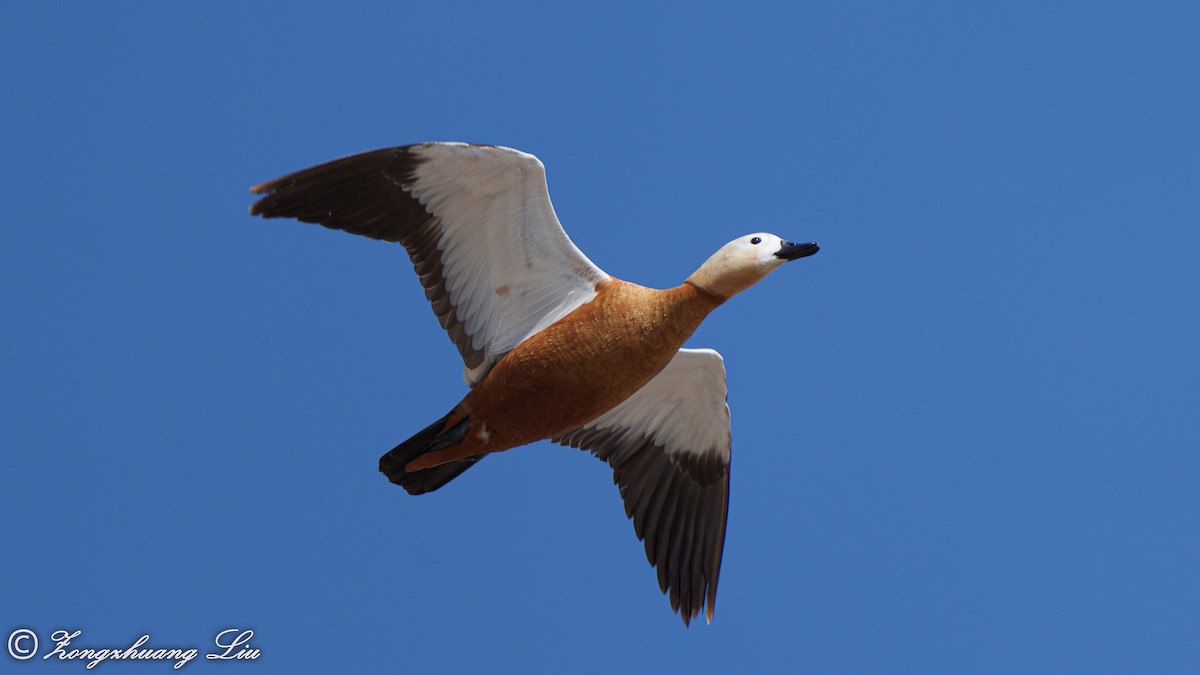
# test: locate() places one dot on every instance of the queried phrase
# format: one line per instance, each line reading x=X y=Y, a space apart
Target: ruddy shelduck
x=553 y=347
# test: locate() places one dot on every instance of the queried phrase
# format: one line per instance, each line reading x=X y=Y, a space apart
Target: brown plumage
x=575 y=369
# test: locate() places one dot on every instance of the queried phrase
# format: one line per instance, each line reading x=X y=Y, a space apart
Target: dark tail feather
x=427 y=440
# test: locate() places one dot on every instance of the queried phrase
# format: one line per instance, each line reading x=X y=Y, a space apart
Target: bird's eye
x=756 y=240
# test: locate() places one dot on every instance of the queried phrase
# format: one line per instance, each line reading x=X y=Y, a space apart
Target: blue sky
x=966 y=433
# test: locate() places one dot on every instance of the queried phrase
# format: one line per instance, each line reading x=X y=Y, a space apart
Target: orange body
x=576 y=369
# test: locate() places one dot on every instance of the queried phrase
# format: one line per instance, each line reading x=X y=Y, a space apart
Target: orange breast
x=583 y=365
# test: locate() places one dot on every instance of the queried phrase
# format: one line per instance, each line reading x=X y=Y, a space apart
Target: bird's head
x=744 y=261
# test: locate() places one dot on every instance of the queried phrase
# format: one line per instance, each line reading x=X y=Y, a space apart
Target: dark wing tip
x=342 y=192
x=369 y=194
x=258 y=208
x=682 y=518
x=261 y=188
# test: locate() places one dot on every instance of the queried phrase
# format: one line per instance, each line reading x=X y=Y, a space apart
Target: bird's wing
x=668 y=446
x=477 y=223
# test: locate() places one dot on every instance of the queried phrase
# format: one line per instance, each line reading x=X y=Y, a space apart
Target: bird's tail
x=433 y=437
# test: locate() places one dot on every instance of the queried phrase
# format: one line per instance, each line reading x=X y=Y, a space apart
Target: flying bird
x=553 y=348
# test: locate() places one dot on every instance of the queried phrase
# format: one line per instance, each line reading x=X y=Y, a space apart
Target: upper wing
x=668 y=446
x=477 y=223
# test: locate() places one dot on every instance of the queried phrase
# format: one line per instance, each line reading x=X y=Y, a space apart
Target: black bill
x=791 y=250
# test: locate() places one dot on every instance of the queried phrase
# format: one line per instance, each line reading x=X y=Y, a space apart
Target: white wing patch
x=682 y=410
x=510 y=269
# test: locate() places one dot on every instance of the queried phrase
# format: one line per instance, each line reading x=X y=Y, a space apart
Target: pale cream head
x=744 y=261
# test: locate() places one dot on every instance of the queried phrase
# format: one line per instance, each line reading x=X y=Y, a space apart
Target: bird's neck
x=721 y=279
x=670 y=315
